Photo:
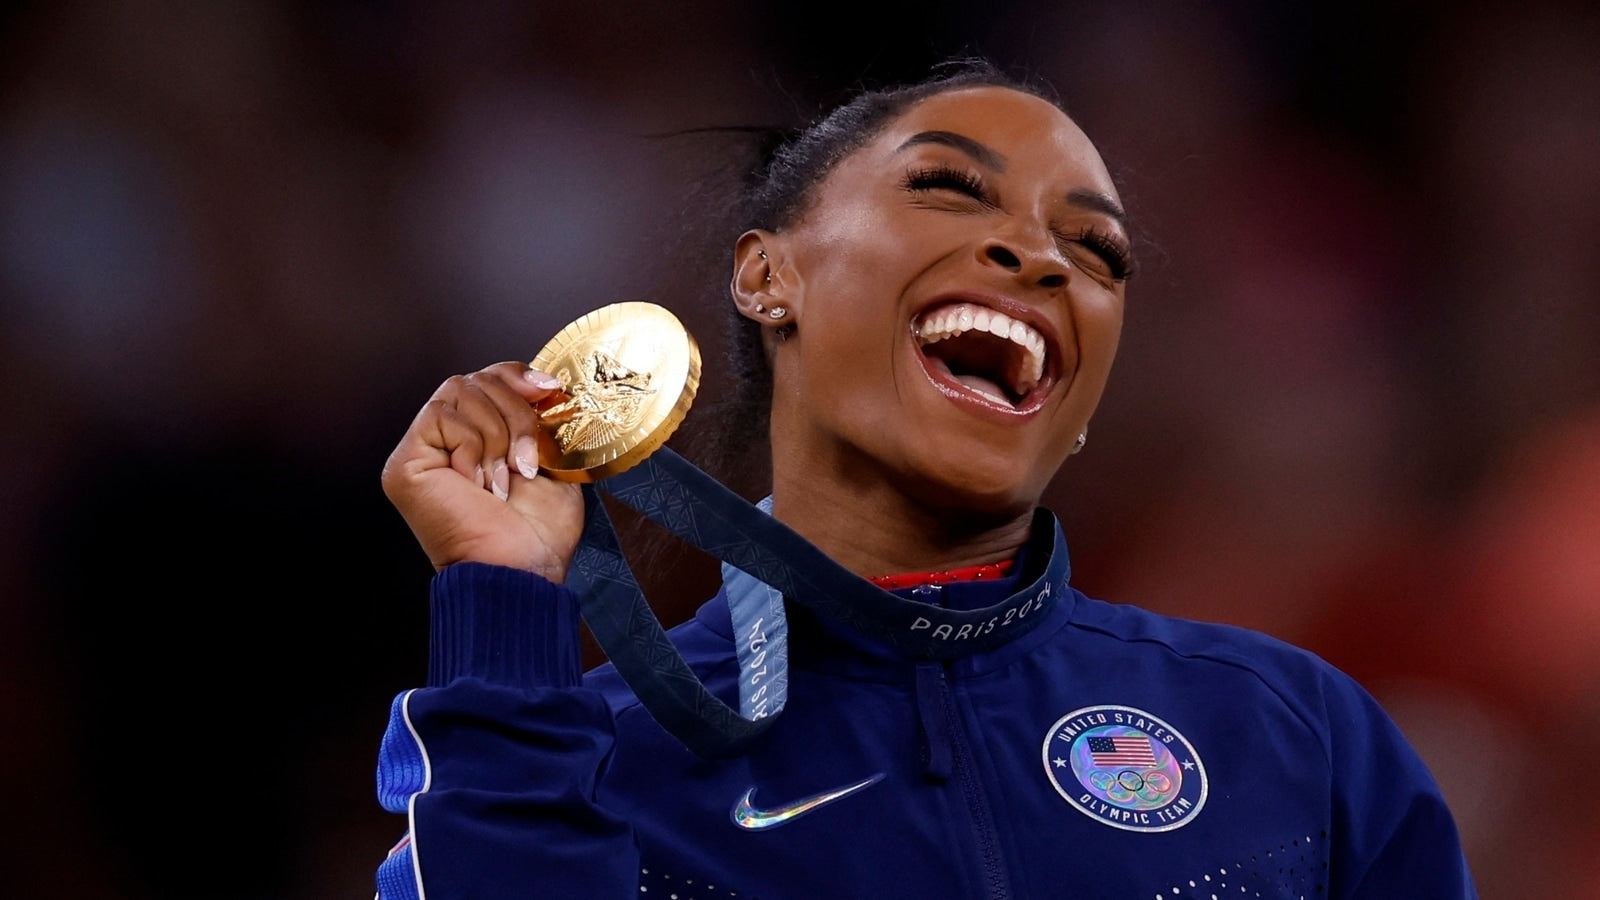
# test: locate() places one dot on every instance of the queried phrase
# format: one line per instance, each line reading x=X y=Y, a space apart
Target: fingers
x=493 y=423
x=482 y=425
x=475 y=437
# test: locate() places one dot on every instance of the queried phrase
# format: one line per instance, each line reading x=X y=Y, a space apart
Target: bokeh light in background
x=1357 y=404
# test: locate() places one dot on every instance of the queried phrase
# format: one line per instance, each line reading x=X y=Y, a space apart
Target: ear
x=754 y=265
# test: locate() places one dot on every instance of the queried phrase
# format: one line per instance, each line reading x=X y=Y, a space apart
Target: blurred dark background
x=1357 y=404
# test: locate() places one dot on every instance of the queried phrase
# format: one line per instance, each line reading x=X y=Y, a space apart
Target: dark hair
x=777 y=193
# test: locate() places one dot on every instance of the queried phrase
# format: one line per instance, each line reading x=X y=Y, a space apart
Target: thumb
x=554 y=510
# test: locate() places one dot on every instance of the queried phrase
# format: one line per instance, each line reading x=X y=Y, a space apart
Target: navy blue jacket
x=1109 y=753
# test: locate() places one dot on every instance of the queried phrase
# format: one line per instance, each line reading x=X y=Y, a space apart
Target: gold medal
x=629 y=372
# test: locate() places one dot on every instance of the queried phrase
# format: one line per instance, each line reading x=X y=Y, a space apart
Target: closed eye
x=1100 y=252
x=943 y=177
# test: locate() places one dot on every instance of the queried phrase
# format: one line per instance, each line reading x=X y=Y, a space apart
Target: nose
x=1035 y=261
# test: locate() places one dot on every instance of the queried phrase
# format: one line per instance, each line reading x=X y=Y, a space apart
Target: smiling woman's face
x=956 y=288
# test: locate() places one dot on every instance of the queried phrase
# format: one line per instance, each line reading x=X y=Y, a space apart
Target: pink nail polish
x=501 y=479
x=542 y=379
x=524 y=453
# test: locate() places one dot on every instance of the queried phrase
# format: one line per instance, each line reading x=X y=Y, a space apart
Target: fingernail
x=523 y=452
x=477 y=476
x=542 y=379
x=501 y=479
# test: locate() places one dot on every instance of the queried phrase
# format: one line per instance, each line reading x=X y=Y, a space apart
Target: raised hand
x=465 y=476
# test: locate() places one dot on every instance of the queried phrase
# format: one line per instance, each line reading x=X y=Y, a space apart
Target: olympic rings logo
x=1126 y=768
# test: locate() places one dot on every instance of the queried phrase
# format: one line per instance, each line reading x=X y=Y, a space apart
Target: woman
x=936 y=277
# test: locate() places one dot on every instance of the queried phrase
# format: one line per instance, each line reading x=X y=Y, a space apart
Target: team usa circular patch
x=1126 y=768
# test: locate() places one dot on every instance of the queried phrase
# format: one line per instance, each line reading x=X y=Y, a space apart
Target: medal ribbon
x=671 y=492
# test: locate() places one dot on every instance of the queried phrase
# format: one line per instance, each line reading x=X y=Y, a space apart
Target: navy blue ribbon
x=668 y=490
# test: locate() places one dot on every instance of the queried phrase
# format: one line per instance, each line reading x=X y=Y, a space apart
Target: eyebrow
x=1099 y=203
x=981 y=153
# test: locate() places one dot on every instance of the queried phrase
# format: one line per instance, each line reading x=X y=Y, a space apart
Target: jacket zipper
x=972 y=791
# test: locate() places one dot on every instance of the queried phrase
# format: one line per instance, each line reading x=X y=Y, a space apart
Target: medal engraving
x=629 y=372
x=602 y=407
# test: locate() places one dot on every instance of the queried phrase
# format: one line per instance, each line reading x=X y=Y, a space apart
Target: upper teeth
x=961 y=318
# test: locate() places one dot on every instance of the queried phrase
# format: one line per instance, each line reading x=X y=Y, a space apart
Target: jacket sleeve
x=1395 y=836
x=495 y=763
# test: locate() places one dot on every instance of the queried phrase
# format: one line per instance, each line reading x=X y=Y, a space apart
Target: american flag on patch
x=1121 y=751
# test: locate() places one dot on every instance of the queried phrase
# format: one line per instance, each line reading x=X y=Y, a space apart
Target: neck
x=872 y=528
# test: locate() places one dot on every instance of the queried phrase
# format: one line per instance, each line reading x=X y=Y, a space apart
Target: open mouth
x=985 y=351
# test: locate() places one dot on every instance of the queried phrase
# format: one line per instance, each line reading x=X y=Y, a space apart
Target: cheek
x=859 y=246
x=854 y=279
x=1098 y=320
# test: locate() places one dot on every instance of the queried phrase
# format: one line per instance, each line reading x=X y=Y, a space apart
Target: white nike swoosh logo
x=746 y=816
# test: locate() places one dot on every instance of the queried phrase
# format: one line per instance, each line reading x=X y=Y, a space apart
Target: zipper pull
x=936 y=753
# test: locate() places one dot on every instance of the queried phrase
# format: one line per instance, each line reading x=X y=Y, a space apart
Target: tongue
x=984 y=386
x=971 y=382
